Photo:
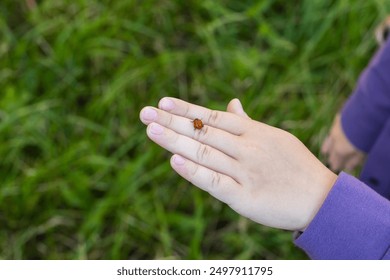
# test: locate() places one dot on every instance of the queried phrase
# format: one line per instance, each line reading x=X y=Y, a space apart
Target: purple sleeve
x=367 y=110
x=353 y=223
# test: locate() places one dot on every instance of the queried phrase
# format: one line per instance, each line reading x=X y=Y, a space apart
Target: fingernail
x=178 y=160
x=149 y=114
x=240 y=106
x=166 y=104
x=156 y=128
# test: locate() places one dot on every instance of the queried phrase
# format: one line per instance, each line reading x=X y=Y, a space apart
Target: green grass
x=78 y=177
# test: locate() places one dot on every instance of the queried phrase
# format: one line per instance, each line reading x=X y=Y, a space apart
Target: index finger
x=218 y=119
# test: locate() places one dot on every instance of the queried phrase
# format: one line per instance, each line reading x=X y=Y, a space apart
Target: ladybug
x=198 y=124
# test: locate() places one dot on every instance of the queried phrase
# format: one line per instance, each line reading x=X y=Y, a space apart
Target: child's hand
x=340 y=152
x=262 y=172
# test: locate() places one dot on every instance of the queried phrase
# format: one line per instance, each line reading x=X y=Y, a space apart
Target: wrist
x=322 y=188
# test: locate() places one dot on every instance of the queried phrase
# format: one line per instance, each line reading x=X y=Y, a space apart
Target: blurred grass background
x=78 y=177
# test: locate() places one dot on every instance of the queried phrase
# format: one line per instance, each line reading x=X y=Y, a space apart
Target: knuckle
x=339 y=151
x=341 y=154
x=213 y=117
x=193 y=172
x=203 y=153
x=201 y=134
x=215 y=182
x=169 y=121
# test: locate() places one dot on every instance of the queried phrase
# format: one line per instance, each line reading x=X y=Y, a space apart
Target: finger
x=216 y=138
x=336 y=161
x=193 y=150
x=217 y=184
x=353 y=162
x=350 y=165
x=218 y=119
x=235 y=107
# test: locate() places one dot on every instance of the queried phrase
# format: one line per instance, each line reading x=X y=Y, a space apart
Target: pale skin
x=262 y=172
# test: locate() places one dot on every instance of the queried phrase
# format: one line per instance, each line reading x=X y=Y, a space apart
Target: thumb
x=235 y=107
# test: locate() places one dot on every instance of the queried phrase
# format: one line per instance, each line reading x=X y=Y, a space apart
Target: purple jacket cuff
x=353 y=223
x=366 y=111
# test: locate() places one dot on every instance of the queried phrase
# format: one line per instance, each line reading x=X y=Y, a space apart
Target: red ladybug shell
x=198 y=124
